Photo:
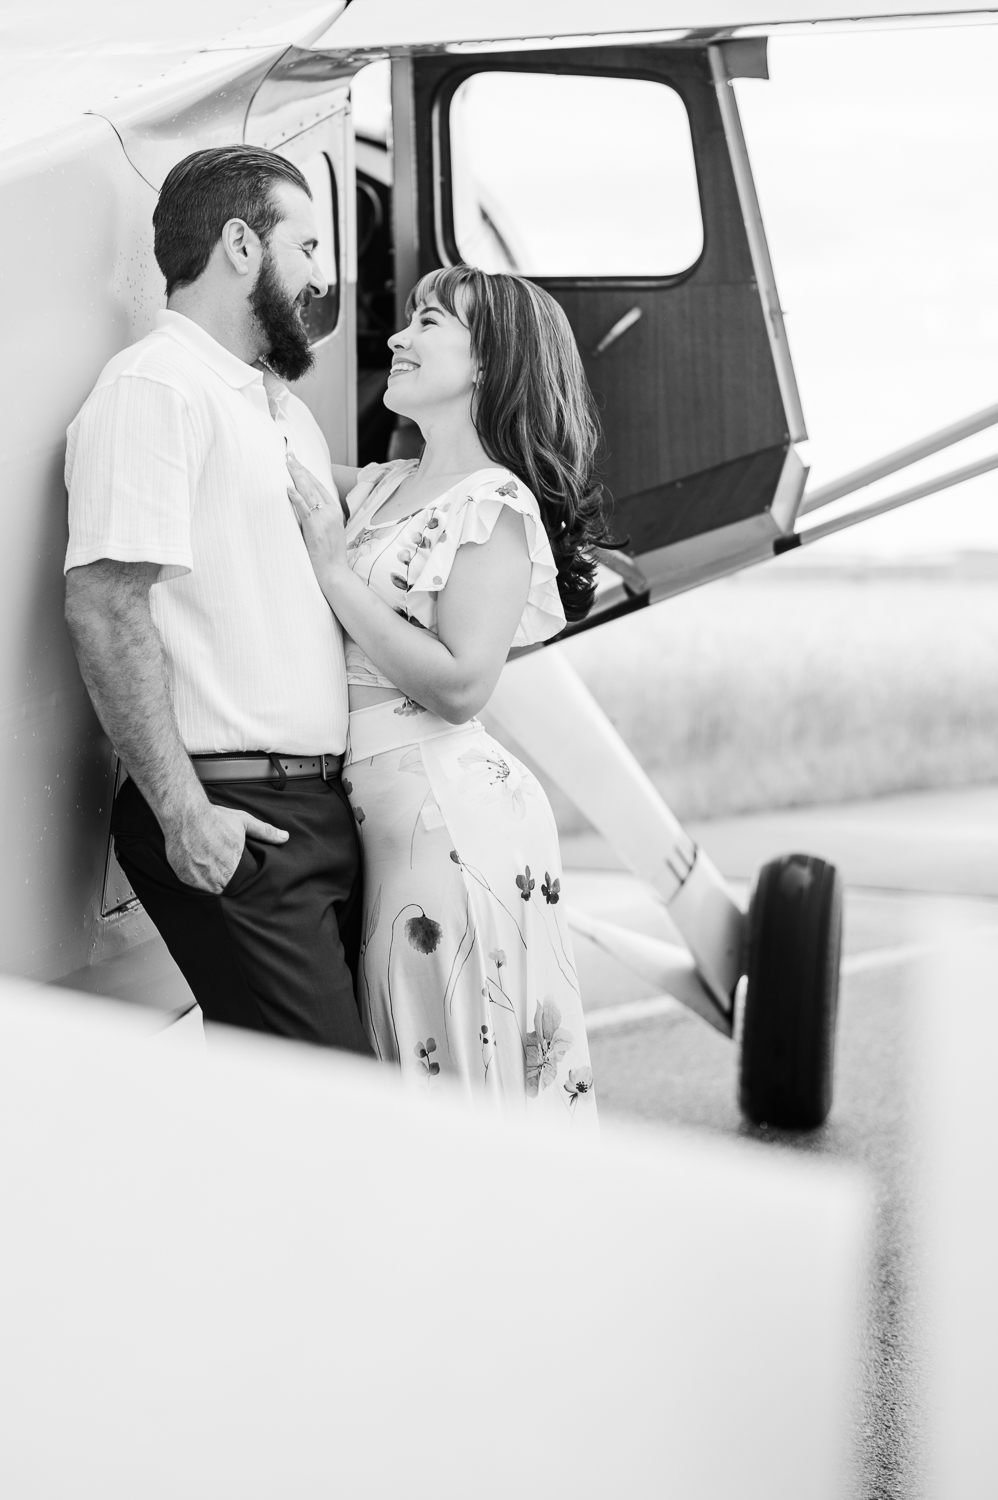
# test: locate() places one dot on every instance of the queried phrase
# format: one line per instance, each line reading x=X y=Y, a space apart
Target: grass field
x=794 y=684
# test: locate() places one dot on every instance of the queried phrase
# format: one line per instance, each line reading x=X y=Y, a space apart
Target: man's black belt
x=258 y=766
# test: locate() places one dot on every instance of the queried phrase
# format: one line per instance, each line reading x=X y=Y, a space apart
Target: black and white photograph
x=499 y=750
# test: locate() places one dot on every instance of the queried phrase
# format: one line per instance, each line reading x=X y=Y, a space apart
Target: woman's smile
x=436 y=346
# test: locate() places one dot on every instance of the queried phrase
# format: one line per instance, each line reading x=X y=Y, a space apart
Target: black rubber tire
x=791 y=998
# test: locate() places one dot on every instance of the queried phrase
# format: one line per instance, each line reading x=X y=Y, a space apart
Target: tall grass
x=792 y=686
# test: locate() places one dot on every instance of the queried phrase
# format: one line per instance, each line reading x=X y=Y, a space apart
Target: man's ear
x=241 y=246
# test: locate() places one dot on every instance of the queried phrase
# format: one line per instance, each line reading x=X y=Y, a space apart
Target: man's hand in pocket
x=204 y=845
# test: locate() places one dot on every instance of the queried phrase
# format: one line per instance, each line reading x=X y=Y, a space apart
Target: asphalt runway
x=913 y=867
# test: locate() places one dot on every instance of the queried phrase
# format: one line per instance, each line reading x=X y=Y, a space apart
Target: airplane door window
x=562 y=175
x=322 y=313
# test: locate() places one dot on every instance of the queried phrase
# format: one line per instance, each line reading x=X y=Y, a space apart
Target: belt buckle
x=322 y=768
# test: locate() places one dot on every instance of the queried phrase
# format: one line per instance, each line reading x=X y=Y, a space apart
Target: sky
x=876 y=162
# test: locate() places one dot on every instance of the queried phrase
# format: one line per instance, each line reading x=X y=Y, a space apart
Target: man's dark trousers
x=276 y=951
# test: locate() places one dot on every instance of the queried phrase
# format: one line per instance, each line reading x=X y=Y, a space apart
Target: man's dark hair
x=203 y=192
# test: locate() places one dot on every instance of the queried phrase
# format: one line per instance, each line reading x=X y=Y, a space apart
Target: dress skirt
x=466 y=969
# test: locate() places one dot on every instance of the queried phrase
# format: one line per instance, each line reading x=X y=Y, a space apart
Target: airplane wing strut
x=891 y=463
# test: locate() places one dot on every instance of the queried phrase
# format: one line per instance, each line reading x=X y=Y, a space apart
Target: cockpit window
x=371 y=102
x=322 y=314
x=573 y=175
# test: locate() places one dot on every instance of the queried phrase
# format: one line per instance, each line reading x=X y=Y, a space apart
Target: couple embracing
x=288 y=655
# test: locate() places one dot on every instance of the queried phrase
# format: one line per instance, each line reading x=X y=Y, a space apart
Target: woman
x=445 y=563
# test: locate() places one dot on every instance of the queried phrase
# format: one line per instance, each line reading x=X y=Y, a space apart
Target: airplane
x=687 y=356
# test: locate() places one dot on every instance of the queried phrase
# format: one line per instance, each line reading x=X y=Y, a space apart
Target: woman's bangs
x=444 y=283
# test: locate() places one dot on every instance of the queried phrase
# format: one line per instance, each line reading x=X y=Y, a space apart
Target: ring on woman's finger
x=316 y=506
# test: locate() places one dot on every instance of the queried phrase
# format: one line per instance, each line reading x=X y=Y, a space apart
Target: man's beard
x=287 y=352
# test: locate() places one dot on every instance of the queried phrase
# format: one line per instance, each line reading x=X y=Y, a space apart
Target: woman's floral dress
x=466 y=967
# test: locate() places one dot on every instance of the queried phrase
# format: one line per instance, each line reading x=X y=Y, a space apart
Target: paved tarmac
x=912 y=865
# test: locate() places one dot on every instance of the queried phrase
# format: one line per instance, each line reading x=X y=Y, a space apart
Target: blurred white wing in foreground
x=959 y=1209
x=266 y=1270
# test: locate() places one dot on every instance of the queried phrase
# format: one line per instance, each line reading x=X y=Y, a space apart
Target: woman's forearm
x=419 y=664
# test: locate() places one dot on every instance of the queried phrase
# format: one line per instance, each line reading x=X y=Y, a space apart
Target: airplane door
x=617 y=178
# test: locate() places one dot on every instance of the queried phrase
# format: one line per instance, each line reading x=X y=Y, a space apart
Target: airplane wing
x=455 y=25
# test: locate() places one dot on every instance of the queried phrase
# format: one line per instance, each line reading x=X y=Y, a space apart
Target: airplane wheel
x=791 y=997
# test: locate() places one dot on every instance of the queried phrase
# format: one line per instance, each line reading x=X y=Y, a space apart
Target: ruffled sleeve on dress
x=469 y=514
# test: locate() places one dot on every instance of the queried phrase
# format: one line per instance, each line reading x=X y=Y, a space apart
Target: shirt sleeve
x=130 y=472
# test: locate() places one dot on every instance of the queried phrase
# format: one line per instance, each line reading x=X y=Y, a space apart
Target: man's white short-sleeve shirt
x=178 y=457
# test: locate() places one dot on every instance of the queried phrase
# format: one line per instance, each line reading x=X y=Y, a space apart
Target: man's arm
x=122 y=663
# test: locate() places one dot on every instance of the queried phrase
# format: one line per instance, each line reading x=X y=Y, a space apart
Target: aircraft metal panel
x=699 y=503
x=58 y=770
x=789 y=492
x=701 y=558
x=299 y=91
x=206 y=106
x=62 y=58
x=758 y=245
x=712 y=554
x=681 y=566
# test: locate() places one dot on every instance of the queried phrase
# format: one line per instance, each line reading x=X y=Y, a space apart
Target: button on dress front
x=466 y=968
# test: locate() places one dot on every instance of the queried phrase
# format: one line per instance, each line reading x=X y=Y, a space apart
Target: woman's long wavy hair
x=533 y=411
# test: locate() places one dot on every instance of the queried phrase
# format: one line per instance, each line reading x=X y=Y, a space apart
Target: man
x=211 y=657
